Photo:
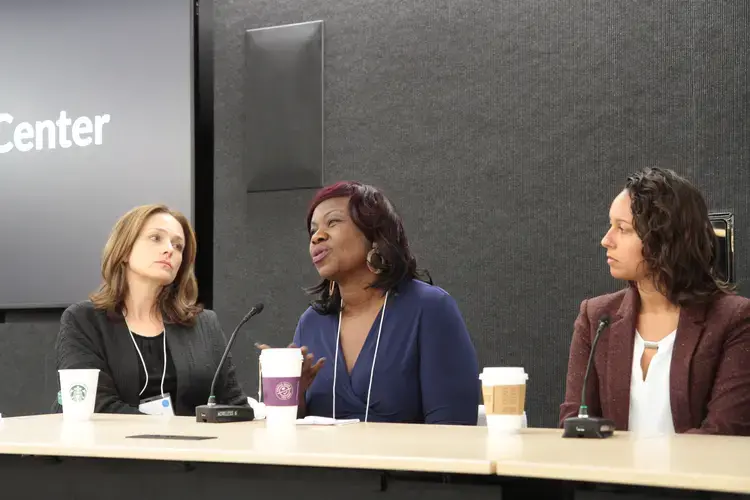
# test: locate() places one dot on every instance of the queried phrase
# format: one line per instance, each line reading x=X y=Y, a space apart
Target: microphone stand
x=218 y=414
x=584 y=426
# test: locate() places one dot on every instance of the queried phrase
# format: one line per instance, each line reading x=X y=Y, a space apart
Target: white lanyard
x=374 y=357
x=145 y=369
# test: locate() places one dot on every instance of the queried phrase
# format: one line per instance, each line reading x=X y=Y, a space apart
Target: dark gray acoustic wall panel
x=27 y=367
x=284 y=107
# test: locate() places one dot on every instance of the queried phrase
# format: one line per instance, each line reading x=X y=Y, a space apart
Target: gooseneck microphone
x=583 y=410
x=217 y=414
x=584 y=426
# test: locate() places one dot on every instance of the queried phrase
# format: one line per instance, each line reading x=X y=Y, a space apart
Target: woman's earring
x=331 y=288
x=376 y=268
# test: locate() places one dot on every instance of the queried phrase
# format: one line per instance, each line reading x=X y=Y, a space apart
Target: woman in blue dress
x=391 y=346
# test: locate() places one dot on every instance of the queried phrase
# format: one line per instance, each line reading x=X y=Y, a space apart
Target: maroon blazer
x=709 y=373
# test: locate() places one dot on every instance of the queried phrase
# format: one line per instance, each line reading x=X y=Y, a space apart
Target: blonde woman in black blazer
x=146 y=308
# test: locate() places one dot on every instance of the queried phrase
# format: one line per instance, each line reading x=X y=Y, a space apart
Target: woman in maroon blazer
x=676 y=356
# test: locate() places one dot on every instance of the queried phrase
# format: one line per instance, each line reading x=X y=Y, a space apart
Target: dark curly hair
x=378 y=220
x=670 y=217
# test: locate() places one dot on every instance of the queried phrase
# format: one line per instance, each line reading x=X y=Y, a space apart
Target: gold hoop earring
x=375 y=270
x=331 y=288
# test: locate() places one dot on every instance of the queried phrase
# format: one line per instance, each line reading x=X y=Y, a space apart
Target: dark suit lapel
x=620 y=340
x=124 y=363
x=183 y=358
x=689 y=330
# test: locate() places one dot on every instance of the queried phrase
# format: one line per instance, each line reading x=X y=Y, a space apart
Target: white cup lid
x=79 y=370
x=503 y=372
x=281 y=353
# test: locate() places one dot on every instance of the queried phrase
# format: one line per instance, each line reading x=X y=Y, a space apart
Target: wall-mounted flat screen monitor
x=96 y=117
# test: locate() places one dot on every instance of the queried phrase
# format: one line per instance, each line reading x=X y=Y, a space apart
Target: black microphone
x=584 y=426
x=219 y=414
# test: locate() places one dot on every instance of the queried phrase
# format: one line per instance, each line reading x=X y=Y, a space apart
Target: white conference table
x=356 y=446
x=684 y=462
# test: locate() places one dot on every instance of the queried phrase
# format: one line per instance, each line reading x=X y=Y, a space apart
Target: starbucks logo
x=284 y=391
x=78 y=393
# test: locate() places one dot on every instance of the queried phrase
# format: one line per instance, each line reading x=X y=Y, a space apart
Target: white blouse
x=650 y=410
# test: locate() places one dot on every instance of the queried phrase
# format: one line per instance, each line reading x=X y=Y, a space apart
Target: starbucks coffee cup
x=504 y=395
x=78 y=393
x=280 y=372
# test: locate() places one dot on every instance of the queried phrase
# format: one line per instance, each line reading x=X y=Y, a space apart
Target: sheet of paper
x=312 y=420
x=258 y=408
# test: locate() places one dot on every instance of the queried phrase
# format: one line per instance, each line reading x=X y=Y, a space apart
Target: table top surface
x=714 y=463
x=684 y=461
x=449 y=449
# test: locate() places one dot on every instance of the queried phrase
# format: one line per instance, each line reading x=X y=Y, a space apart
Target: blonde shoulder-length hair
x=178 y=301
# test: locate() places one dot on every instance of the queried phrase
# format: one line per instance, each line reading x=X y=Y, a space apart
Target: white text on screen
x=48 y=134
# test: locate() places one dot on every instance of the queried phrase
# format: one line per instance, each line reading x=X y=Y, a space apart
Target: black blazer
x=88 y=338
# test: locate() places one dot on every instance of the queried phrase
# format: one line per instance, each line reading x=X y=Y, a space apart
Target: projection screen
x=96 y=117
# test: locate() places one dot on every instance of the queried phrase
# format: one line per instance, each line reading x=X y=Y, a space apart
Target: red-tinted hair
x=378 y=220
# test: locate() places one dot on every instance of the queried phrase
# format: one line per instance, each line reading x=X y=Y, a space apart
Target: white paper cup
x=280 y=373
x=504 y=394
x=78 y=391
